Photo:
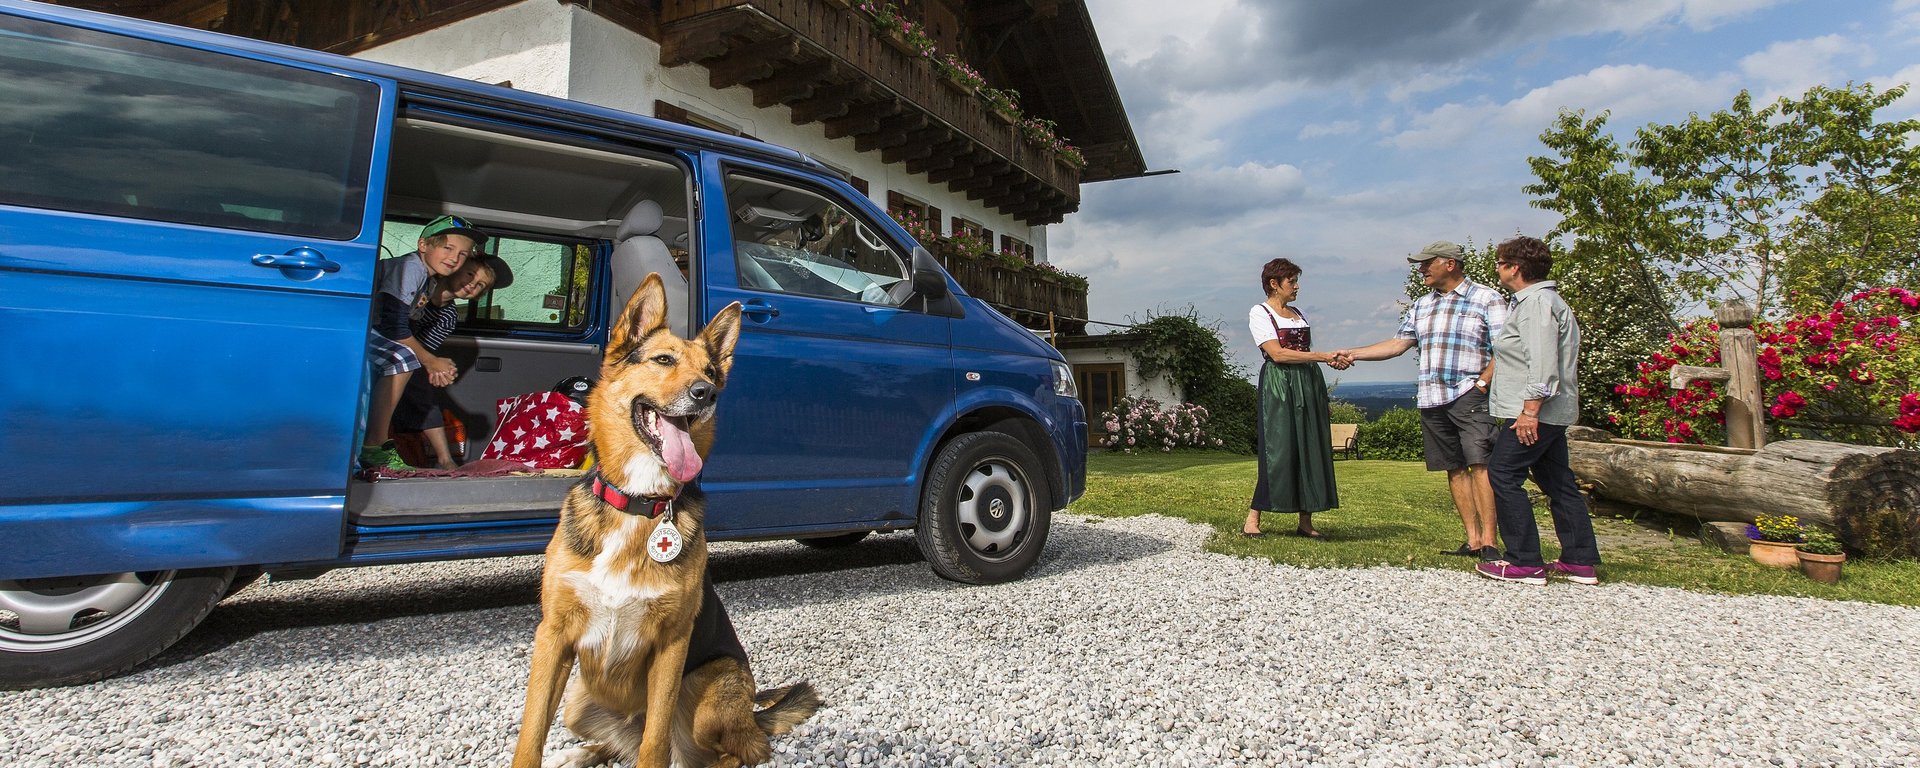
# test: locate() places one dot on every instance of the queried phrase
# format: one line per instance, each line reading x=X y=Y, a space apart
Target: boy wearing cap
x=420 y=404
x=400 y=288
x=1453 y=326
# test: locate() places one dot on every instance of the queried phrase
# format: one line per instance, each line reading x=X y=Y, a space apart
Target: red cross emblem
x=666 y=543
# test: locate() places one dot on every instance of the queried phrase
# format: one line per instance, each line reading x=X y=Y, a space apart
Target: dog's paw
x=577 y=757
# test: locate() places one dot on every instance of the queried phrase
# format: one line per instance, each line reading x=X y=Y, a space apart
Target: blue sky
x=1345 y=135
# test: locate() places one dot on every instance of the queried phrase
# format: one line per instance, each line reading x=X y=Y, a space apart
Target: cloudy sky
x=1346 y=134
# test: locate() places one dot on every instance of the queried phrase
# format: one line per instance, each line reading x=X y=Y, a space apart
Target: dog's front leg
x=663 y=690
x=546 y=682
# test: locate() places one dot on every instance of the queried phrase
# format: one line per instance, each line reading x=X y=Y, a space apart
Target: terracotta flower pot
x=1774 y=554
x=1822 y=568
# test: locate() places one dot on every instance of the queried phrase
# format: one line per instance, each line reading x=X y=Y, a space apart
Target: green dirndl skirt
x=1292 y=441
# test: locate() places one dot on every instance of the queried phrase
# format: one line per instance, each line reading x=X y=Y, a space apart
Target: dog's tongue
x=676 y=448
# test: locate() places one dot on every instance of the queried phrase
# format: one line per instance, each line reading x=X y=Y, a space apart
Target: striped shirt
x=1454 y=331
x=435 y=324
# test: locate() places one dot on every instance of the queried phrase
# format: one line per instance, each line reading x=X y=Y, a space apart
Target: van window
x=99 y=123
x=791 y=240
x=551 y=285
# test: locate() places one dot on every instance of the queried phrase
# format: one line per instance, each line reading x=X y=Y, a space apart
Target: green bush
x=1394 y=436
x=1232 y=411
x=1342 y=412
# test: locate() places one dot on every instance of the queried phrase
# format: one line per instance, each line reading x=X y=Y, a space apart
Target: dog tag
x=666 y=543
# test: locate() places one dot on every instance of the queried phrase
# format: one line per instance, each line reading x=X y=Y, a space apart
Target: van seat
x=638 y=251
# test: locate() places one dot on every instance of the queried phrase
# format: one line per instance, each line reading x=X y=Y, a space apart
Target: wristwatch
x=1479 y=383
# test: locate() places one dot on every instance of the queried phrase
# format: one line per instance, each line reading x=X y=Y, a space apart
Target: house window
x=904 y=208
x=1100 y=387
x=1017 y=247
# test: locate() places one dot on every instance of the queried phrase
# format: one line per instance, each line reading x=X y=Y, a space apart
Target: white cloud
x=1789 y=67
x=1424 y=82
x=1336 y=128
x=1632 y=93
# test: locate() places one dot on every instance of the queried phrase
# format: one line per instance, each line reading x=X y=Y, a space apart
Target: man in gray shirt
x=1536 y=394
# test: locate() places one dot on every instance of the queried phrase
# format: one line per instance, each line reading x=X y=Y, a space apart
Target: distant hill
x=1376 y=397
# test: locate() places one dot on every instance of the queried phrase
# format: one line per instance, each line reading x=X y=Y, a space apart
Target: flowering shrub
x=1819 y=542
x=1778 y=528
x=1006 y=102
x=1842 y=371
x=1138 y=424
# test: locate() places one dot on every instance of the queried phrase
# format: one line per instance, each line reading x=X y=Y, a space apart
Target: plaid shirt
x=1454 y=331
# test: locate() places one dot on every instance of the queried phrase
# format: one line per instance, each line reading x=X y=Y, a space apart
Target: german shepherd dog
x=626 y=591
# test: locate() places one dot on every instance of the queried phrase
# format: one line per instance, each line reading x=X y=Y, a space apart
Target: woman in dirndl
x=1292 y=442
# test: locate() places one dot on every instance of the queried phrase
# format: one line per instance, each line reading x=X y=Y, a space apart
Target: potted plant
x=1774 y=538
x=1821 y=556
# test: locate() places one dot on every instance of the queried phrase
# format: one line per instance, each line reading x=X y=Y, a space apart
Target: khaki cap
x=1439 y=249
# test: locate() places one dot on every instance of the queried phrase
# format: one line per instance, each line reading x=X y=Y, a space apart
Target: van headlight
x=1063 y=380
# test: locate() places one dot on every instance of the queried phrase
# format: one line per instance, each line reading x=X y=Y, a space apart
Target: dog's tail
x=780 y=709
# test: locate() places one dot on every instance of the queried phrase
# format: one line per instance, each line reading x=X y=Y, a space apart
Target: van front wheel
x=69 y=630
x=986 y=509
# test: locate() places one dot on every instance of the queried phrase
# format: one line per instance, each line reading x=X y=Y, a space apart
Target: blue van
x=189 y=226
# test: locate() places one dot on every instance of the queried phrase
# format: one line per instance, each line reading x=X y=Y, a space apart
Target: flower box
x=899 y=43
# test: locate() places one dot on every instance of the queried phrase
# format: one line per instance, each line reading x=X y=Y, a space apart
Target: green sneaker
x=383 y=455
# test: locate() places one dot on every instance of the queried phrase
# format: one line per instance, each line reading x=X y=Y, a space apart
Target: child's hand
x=440 y=371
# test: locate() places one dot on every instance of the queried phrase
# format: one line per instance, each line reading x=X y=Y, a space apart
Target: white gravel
x=1128 y=646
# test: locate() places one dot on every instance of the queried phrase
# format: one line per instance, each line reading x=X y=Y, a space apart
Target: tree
x=1192 y=355
x=1790 y=207
x=1810 y=196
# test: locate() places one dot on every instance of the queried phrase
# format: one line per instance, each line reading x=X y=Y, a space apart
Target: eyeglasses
x=1506 y=264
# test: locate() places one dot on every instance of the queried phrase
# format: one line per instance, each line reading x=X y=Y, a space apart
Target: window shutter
x=987 y=235
x=933 y=219
x=671 y=112
x=860 y=184
x=895 y=202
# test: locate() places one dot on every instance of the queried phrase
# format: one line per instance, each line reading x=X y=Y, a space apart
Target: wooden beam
x=751 y=63
x=832 y=100
x=893 y=131
x=920 y=144
x=980 y=187
x=792 y=83
x=864 y=118
x=945 y=155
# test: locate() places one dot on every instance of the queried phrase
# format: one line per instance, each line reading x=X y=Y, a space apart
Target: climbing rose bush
x=1856 y=362
x=1140 y=424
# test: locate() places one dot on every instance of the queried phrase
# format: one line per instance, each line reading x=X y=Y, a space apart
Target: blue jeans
x=1547 y=458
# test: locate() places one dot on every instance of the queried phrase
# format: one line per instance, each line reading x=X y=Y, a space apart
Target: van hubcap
x=993 y=508
x=38 y=615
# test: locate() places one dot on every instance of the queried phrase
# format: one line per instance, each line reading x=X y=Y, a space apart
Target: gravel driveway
x=1128 y=646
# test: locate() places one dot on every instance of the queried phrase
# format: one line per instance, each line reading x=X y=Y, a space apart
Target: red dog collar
x=650 y=506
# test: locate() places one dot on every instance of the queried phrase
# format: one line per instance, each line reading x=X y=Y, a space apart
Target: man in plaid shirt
x=1453 y=326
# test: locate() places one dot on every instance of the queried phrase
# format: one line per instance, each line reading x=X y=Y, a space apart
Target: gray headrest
x=644 y=219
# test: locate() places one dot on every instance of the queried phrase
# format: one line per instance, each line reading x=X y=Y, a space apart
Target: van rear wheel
x=986 y=510
x=77 y=629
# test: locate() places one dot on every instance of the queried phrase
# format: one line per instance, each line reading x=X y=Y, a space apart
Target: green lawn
x=1397 y=513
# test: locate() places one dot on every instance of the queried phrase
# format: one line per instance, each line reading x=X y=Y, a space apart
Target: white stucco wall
x=567 y=51
x=1158 y=387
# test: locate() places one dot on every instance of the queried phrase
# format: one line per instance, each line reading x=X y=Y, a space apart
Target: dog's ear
x=646 y=313
x=721 y=334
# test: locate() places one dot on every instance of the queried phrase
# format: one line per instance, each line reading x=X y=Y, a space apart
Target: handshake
x=1340 y=359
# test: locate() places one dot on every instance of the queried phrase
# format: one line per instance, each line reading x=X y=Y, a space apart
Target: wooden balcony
x=829 y=65
x=1032 y=298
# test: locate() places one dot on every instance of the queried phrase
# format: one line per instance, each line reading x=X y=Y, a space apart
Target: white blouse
x=1263 y=330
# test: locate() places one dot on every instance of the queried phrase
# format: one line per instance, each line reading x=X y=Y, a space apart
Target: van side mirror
x=928 y=280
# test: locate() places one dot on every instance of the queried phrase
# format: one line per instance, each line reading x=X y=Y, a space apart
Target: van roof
x=419 y=83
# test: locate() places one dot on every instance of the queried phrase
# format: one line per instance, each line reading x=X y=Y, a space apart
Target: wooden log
x=1868 y=496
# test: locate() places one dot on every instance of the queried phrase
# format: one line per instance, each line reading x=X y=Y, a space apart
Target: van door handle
x=298 y=258
x=759 y=310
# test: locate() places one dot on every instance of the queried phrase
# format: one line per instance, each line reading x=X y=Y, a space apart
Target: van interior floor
x=434 y=500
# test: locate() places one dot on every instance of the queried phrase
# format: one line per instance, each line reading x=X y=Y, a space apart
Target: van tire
x=835 y=541
x=986 y=509
x=173 y=603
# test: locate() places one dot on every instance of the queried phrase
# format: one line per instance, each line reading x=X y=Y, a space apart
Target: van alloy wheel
x=986 y=509
x=77 y=629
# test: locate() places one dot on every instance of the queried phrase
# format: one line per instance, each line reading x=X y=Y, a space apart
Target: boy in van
x=420 y=403
x=401 y=286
